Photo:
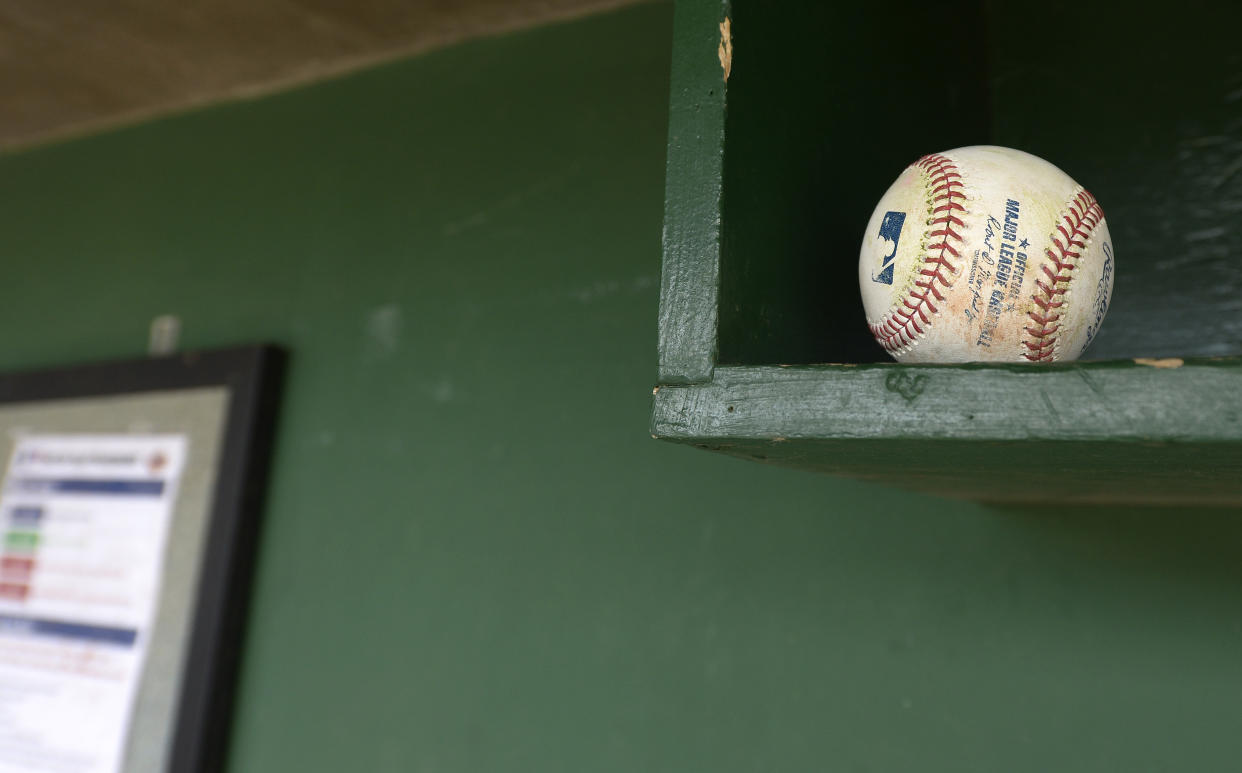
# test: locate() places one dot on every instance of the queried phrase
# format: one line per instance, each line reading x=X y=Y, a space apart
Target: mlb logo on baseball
x=890 y=234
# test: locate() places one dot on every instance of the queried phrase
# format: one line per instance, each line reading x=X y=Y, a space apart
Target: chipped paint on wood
x=725 y=51
x=1161 y=362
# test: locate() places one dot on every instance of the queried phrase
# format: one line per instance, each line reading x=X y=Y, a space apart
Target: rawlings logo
x=890 y=234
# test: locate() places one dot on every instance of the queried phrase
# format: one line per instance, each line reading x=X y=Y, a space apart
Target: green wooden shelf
x=773 y=173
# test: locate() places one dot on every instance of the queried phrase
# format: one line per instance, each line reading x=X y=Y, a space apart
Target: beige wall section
x=69 y=67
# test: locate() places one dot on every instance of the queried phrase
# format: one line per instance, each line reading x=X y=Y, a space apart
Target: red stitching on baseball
x=900 y=327
x=1082 y=216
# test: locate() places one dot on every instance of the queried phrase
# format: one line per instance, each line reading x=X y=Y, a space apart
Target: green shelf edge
x=1197 y=401
x=1108 y=432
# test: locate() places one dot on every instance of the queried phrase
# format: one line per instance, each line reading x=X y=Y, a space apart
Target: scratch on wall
x=725 y=51
x=510 y=201
x=607 y=287
x=1229 y=171
x=1206 y=234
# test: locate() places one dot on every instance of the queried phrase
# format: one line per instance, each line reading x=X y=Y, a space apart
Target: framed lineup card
x=128 y=514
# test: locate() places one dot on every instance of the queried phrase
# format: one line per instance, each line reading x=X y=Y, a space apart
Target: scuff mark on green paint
x=1052 y=409
x=907 y=385
x=1086 y=379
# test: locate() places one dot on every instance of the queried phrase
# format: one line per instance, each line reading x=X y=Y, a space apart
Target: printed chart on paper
x=83 y=523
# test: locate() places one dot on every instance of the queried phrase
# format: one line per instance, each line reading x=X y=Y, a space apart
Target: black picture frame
x=253 y=377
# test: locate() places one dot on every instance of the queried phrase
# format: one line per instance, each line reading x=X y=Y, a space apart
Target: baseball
x=985 y=254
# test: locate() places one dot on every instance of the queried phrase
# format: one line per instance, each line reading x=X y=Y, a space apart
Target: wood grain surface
x=692 y=218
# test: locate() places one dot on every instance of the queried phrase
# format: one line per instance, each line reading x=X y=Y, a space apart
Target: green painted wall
x=475 y=559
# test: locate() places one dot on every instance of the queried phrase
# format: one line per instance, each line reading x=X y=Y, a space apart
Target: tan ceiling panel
x=72 y=66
